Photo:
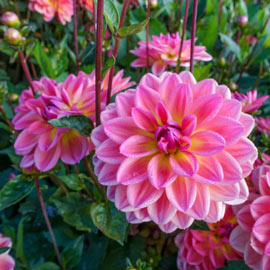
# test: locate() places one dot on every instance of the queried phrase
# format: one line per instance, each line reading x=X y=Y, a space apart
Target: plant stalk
x=147 y=36
x=75 y=35
x=193 y=31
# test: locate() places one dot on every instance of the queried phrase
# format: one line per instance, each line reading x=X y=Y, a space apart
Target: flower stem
x=147 y=36
x=99 y=36
x=182 y=36
x=116 y=47
x=48 y=223
x=75 y=34
x=26 y=71
x=178 y=15
x=193 y=31
x=56 y=179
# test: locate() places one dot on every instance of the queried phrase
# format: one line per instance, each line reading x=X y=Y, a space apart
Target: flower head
x=42 y=144
x=63 y=9
x=13 y=36
x=174 y=150
x=163 y=51
x=6 y=261
x=249 y=101
x=251 y=237
x=263 y=124
x=88 y=4
x=207 y=250
x=242 y=20
x=10 y=19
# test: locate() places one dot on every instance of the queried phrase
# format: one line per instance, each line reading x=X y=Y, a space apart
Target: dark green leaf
x=110 y=221
x=199 y=225
x=234 y=47
x=3 y=249
x=80 y=123
x=235 y=265
x=72 y=253
x=47 y=266
x=71 y=181
x=132 y=29
x=14 y=191
x=108 y=64
x=111 y=14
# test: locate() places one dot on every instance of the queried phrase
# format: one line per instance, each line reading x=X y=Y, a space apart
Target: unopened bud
x=13 y=36
x=242 y=20
x=153 y=3
x=233 y=86
x=222 y=62
x=10 y=19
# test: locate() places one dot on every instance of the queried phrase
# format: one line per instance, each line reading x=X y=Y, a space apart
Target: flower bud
x=242 y=20
x=233 y=86
x=153 y=3
x=222 y=62
x=13 y=36
x=10 y=19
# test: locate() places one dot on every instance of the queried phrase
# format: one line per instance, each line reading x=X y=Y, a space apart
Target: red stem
x=99 y=36
x=116 y=47
x=75 y=34
x=193 y=31
x=48 y=223
x=26 y=71
x=94 y=15
x=147 y=36
x=183 y=36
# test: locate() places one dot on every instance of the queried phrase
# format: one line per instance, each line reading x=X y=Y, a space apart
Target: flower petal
x=239 y=238
x=261 y=228
x=181 y=220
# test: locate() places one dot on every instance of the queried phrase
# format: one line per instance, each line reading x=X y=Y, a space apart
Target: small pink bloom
x=63 y=9
x=6 y=261
x=249 y=101
x=207 y=250
x=251 y=39
x=163 y=52
x=88 y=4
x=263 y=124
x=242 y=20
x=41 y=144
x=252 y=236
x=174 y=150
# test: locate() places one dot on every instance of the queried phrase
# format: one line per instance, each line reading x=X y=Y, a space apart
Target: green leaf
x=3 y=249
x=234 y=47
x=43 y=60
x=72 y=253
x=235 y=265
x=202 y=72
x=75 y=210
x=80 y=123
x=47 y=266
x=111 y=14
x=132 y=29
x=14 y=191
x=199 y=225
x=108 y=64
x=71 y=181
x=19 y=246
x=110 y=221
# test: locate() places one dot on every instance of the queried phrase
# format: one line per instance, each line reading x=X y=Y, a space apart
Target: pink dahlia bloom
x=63 y=9
x=42 y=144
x=252 y=236
x=88 y=4
x=250 y=101
x=163 y=52
x=263 y=124
x=207 y=250
x=174 y=150
x=6 y=261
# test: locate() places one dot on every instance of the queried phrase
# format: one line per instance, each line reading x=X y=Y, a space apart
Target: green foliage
x=132 y=29
x=111 y=14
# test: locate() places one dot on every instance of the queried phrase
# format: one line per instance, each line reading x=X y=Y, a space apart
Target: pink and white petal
x=120 y=128
x=167 y=228
x=189 y=124
x=162 y=211
x=107 y=174
x=150 y=80
x=158 y=67
x=160 y=172
x=252 y=258
x=142 y=194
x=48 y=139
x=181 y=220
x=144 y=119
x=98 y=135
x=111 y=190
x=25 y=141
x=184 y=163
x=204 y=87
x=230 y=108
x=193 y=257
x=45 y=161
x=206 y=107
x=247 y=122
x=206 y=143
x=216 y=212
x=187 y=78
x=243 y=194
x=217 y=258
x=142 y=215
x=182 y=193
x=120 y=199
x=27 y=161
x=162 y=114
x=133 y=170
x=124 y=103
x=266 y=263
x=39 y=127
x=108 y=151
x=245 y=220
x=260 y=207
x=6 y=262
x=261 y=228
x=131 y=218
x=224 y=193
x=138 y=146
x=210 y=171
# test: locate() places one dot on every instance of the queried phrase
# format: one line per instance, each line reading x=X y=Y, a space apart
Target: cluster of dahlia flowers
x=164 y=51
x=174 y=150
x=6 y=261
x=42 y=144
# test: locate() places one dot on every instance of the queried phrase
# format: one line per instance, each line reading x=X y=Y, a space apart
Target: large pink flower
x=174 y=150
x=250 y=101
x=40 y=143
x=207 y=250
x=63 y=9
x=6 y=261
x=252 y=236
x=163 y=51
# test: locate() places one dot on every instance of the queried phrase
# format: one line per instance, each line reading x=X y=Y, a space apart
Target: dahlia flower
x=6 y=261
x=163 y=52
x=207 y=250
x=63 y=9
x=88 y=4
x=42 y=144
x=252 y=235
x=263 y=124
x=174 y=150
x=249 y=101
